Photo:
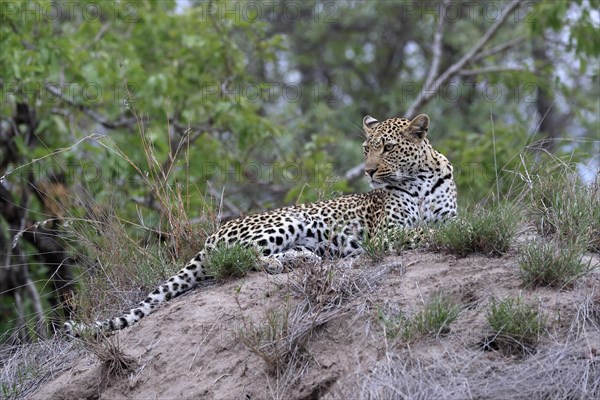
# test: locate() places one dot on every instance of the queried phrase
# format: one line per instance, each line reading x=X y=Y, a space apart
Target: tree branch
x=437 y=46
x=49 y=246
x=498 y=49
x=121 y=122
x=427 y=93
x=488 y=70
x=354 y=172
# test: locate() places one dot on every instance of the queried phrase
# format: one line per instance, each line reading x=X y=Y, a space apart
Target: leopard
x=411 y=184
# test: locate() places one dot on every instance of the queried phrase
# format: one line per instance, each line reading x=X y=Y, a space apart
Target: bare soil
x=190 y=348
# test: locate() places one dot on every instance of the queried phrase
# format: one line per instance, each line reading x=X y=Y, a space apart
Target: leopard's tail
x=193 y=272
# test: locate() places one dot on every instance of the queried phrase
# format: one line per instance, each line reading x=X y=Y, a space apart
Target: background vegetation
x=125 y=125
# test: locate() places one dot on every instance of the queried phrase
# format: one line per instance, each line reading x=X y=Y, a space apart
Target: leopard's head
x=394 y=149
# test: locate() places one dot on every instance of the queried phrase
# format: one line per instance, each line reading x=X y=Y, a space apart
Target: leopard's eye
x=388 y=147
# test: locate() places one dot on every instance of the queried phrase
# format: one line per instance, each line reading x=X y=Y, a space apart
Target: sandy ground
x=190 y=349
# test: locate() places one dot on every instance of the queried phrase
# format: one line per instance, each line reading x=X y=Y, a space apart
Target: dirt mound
x=193 y=348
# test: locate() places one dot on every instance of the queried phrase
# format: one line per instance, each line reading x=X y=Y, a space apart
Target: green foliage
x=516 y=326
x=482 y=160
x=219 y=73
x=312 y=174
x=134 y=108
x=583 y=29
x=552 y=264
x=231 y=261
x=433 y=320
x=489 y=232
x=122 y=77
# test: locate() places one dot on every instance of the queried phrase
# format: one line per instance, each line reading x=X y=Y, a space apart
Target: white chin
x=375 y=184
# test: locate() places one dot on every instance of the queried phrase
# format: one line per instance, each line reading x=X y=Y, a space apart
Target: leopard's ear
x=369 y=124
x=417 y=129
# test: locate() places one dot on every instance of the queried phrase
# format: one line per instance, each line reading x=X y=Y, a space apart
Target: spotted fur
x=412 y=183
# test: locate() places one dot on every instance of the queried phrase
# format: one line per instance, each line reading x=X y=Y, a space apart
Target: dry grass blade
x=587 y=316
x=555 y=373
x=26 y=367
x=281 y=337
x=115 y=362
x=330 y=285
x=277 y=340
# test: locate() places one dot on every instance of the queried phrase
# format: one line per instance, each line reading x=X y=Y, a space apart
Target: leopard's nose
x=370 y=171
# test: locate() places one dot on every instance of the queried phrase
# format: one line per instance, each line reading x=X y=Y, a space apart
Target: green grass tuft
x=433 y=320
x=375 y=247
x=393 y=240
x=231 y=261
x=516 y=327
x=552 y=264
x=489 y=232
x=566 y=209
